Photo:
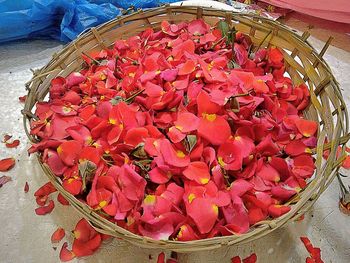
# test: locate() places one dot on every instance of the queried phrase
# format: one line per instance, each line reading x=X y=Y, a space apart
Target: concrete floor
x=25 y=237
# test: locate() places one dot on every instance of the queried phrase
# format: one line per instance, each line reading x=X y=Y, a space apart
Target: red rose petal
x=58 y=235
x=346 y=163
x=65 y=254
x=230 y=156
x=173 y=157
x=209 y=126
x=68 y=152
x=62 y=200
x=236 y=259
x=45 y=190
x=55 y=163
x=41 y=200
x=204 y=213
x=26 y=187
x=73 y=185
x=45 y=209
x=278 y=210
x=175 y=135
x=251 y=259
x=12 y=144
x=205 y=105
x=306 y=127
x=186 y=233
x=198 y=27
x=267 y=172
x=197 y=171
x=4 y=179
x=7 y=164
x=187 y=68
x=275 y=55
x=83 y=230
x=295 y=148
x=87 y=248
x=6 y=138
x=240 y=186
x=22 y=98
x=186 y=122
x=159 y=176
x=135 y=136
x=161 y=258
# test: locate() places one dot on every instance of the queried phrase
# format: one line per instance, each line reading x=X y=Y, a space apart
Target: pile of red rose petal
x=176 y=134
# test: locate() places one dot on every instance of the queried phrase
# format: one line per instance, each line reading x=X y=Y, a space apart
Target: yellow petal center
x=204 y=180
x=215 y=209
x=191 y=197
x=149 y=200
x=210 y=117
x=180 y=154
x=102 y=204
x=221 y=161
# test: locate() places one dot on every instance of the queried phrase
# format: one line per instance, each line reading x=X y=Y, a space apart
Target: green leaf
x=234 y=104
x=144 y=165
x=189 y=142
x=139 y=152
x=86 y=171
x=232 y=35
x=116 y=100
x=224 y=28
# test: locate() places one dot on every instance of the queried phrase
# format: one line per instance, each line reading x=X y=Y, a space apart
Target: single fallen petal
x=230 y=156
x=26 y=187
x=22 y=98
x=251 y=259
x=58 y=235
x=7 y=164
x=6 y=138
x=278 y=210
x=4 y=179
x=267 y=172
x=236 y=259
x=73 y=185
x=198 y=27
x=197 y=171
x=159 y=176
x=45 y=209
x=186 y=122
x=204 y=213
x=62 y=200
x=295 y=148
x=344 y=205
x=172 y=156
x=45 y=190
x=12 y=144
x=83 y=230
x=187 y=68
x=306 y=127
x=86 y=248
x=161 y=258
x=65 y=254
x=41 y=200
x=69 y=151
x=240 y=186
x=186 y=233
x=307 y=243
x=346 y=163
x=310 y=260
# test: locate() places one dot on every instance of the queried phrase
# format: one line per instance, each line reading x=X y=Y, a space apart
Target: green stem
x=134 y=95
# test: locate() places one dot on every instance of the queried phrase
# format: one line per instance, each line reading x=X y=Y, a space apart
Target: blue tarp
x=60 y=19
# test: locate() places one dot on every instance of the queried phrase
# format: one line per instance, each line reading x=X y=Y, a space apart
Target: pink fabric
x=336 y=10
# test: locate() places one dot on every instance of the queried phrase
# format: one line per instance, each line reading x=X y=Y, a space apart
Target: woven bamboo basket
x=304 y=65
